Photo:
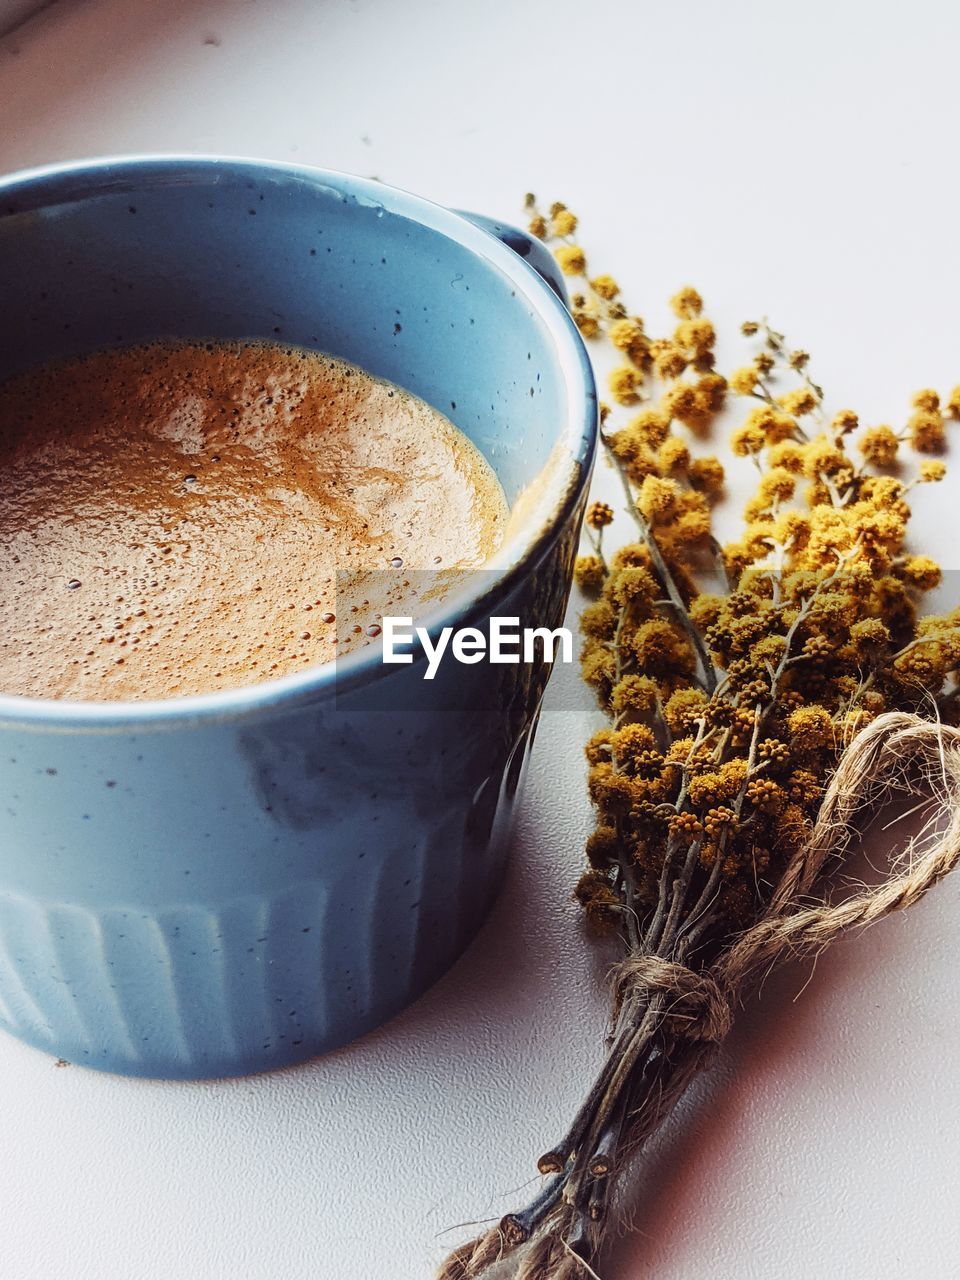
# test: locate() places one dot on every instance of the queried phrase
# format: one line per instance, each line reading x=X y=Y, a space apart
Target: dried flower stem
x=707 y=672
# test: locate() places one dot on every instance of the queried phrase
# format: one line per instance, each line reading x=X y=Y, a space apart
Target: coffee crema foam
x=173 y=517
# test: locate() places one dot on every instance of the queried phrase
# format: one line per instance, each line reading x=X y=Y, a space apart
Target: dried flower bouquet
x=759 y=697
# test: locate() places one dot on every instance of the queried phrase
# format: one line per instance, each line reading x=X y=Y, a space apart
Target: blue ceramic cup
x=219 y=884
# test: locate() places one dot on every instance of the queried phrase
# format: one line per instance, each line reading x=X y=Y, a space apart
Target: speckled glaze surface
x=223 y=884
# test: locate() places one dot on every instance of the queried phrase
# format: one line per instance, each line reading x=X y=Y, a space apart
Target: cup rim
x=82 y=179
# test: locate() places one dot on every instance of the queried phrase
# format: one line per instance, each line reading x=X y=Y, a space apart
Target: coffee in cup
x=180 y=517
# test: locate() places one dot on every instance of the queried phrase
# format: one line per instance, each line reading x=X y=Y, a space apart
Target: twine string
x=897 y=753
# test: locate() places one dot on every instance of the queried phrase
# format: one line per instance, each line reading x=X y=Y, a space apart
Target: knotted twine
x=898 y=753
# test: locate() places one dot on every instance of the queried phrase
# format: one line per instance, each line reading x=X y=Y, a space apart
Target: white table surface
x=799 y=159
